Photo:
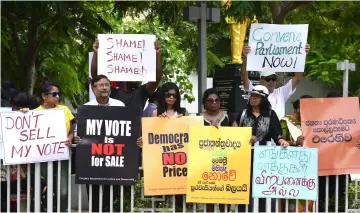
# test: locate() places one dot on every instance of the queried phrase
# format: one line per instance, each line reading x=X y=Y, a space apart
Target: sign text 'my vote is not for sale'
x=277 y=48
x=127 y=57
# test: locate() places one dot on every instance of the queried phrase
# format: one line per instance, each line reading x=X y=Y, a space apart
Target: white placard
x=3 y=109
x=35 y=136
x=277 y=48
x=91 y=94
x=127 y=57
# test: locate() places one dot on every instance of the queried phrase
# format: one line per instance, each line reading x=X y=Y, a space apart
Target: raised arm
x=298 y=76
x=244 y=73
x=151 y=86
x=94 y=59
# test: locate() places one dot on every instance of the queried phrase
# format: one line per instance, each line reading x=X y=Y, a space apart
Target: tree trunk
x=280 y=9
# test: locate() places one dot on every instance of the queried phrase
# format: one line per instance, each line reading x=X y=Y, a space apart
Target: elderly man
x=278 y=97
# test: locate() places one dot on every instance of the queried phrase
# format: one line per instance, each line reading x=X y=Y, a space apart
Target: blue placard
x=290 y=172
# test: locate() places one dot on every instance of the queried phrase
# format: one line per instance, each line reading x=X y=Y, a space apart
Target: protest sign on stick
x=35 y=136
x=127 y=57
x=277 y=48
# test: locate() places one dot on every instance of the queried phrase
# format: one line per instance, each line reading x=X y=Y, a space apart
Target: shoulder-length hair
x=162 y=106
x=265 y=106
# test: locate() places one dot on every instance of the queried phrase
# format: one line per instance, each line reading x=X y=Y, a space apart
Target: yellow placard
x=165 y=146
x=219 y=165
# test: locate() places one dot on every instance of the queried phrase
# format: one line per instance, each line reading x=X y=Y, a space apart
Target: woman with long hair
x=50 y=95
x=169 y=102
x=265 y=126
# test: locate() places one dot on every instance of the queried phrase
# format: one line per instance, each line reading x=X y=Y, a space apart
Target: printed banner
x=289 y=173
x=127 y=57
x=3 y=109
x=108 y=153
x=219 y=165
x=277 y=48
x=35 y=136
x=165 y=145
x=333 y=126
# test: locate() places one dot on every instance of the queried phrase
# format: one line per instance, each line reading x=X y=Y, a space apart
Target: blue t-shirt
x=149 y=109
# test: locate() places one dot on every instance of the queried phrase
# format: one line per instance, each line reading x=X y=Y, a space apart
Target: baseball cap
x=267 y=73
x=259 y=90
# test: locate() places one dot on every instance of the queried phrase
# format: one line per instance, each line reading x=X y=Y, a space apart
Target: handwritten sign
x=285 y=173
x=277 y=48
x=333 y=126
x=3 y=109
x=36 y=136
x=127 y=57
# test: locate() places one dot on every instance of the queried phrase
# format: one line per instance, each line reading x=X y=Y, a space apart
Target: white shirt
x=279 y=97
x=112 y=102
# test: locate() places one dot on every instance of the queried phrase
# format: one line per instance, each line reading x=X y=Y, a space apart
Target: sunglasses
x=210 y=101
x=54 y=94
x=270 y=79
x=169 y=95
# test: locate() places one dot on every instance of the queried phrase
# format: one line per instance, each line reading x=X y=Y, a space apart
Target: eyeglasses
x=104 y=85
x=169 y=95
x=54 y=94
x=270 y=79
x=210 y=101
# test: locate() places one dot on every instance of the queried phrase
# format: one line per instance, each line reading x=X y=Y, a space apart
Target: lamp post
x=202 y=15
x=346 y=67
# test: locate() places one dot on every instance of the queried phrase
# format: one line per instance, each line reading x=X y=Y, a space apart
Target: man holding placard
x=273 y=49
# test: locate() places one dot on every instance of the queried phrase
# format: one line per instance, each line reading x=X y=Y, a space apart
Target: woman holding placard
x=265 y=126
x=50 y=95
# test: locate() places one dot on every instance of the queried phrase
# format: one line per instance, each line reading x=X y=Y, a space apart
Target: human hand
x=157 y=47
x=69 y=141
x=246 y=50
x=307 y=49
x=77 y=140
x=284 y=143
x=24 y=110
x=164 y=115
x=253 y=140
x=179 y=116
x=139 y=142
x=300 y=140
x=96 y=45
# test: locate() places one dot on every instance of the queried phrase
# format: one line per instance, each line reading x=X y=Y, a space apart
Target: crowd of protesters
x=264 y=113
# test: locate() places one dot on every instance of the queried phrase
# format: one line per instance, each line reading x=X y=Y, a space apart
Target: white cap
x=267 y=73
x=259 y=90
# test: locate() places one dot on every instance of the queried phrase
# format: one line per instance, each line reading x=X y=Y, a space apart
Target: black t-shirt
x=136 y=98
x=225 y=119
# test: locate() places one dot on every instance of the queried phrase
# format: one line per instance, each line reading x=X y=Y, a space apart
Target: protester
x=294 y=120
x=265 y=126
x=277 y=97
x=169 y=102
x=20 y=102
x=214 y=116
x=152 y=105
x=100 y=86
x=50 y=97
